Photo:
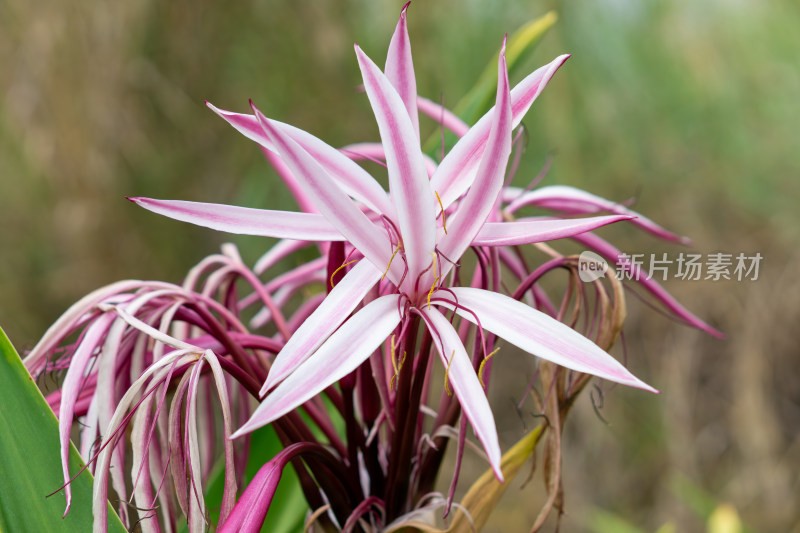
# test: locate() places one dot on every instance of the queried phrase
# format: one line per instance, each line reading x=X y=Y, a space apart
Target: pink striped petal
x=353 y=179
x=466 y=385
x=528 y=231
x=408 y=180
x=70 y=389
x=571 y=200
x=479 y=202
x=333 y=310
x=245 y=220
x=332 y=202
x=536 y=333
x=458 y=168
x=400 y=69
x=338 y=356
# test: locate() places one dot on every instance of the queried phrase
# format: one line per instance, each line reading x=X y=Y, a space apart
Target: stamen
x=480 y=368
x=390 y=262
x=447 y=373
x=444 y=218
x=338 y=269
x=430 y=292
x=435 y=277
x=397 y=367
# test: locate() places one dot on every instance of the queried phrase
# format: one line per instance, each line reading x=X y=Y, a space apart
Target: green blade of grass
x=30 y=467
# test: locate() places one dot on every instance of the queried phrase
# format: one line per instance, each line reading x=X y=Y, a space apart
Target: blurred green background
x=691 y=107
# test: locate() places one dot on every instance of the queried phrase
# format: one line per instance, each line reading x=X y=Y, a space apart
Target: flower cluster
x=433 y=265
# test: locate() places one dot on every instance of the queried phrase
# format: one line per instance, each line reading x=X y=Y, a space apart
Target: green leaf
x=30 y=467
x=481 y=97
x=522 y=42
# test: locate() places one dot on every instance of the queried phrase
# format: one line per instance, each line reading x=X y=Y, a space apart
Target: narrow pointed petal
x=333 y=310
x=70 y=389
x=353 y=179
x=400 y=69
x=466 y=385
x=611 y=254
x=245 y=220
x=536 y=333
x=571 y=200
x=230 y=485
x=539 y=230
x=408 y=180
x=332 y=202
x=457 y=170
x=479 y=202
x=342 y=353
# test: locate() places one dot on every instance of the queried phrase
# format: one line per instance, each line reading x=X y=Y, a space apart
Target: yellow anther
x=397 y=366
x=430 y=292
x=480 y=368
x=435 y=279
x=444 y=219
x=390 y=262
x=447 y=373
x=338 y=269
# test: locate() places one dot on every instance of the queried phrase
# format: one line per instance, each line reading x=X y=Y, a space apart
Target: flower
x=406 y=243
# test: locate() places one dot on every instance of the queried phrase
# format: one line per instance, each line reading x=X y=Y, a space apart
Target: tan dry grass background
x=689 y=106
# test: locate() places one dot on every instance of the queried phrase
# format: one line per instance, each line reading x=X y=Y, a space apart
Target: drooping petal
x=528 y=231
x=334 y=310
x=347 y=348
x=100 y=493
x=332 y=202
x=408 y=180
x=71 y=387
x=466 y=384
x=457 y=170
x=536 y=333
x=245 y=220
x=353 y=179
x=400 y=69
x=479 y=202
x=571 y=200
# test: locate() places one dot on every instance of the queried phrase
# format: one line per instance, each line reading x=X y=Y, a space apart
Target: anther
x=447 y=373
x=338 y=269
x=480 y=368
x=444 y=218
x=390 y=262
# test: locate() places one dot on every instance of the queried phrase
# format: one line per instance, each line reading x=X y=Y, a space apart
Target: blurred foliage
x=688 y=106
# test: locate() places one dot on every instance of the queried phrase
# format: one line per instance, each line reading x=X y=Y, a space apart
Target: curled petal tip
x=503 y=47
x=133 y=199
x=405 y=8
